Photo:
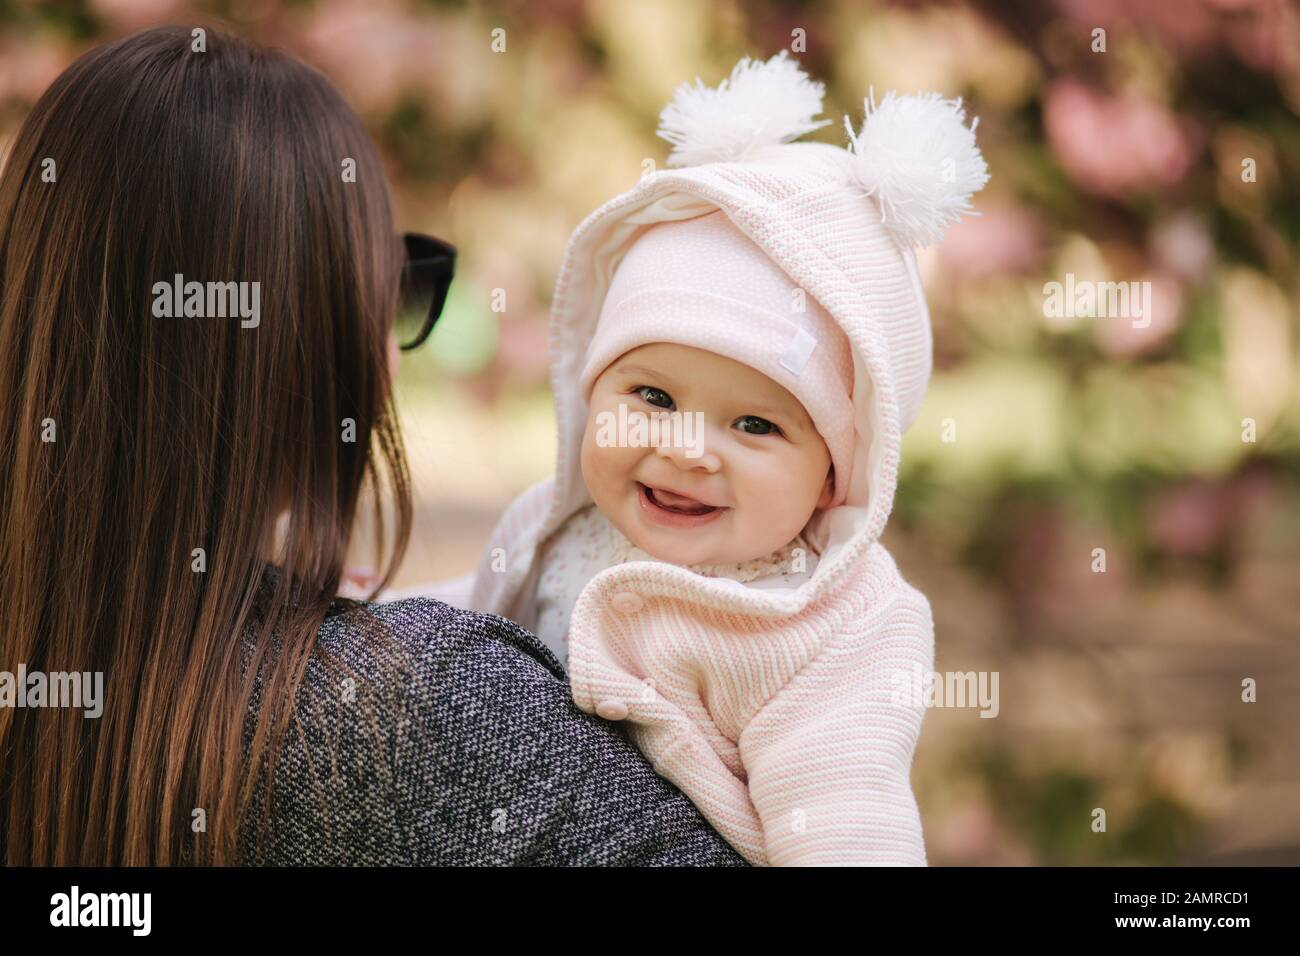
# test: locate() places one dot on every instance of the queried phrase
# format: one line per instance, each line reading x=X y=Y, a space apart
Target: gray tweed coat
x=451 y=739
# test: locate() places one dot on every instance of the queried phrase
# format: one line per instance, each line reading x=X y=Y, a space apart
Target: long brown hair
x=132 y=440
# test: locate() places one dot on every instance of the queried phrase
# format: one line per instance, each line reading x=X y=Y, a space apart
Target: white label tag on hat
x=799 y=351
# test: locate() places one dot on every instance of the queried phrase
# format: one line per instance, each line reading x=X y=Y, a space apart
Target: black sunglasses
x=426 y=277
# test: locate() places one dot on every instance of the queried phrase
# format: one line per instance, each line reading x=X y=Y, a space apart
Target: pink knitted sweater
x=776 y=712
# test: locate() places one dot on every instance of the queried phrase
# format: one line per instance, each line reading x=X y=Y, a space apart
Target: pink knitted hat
x=701 y=282
x=839 y=224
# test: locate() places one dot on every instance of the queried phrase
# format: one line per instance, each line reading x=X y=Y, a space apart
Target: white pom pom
x=762 y=104
x=919 y=160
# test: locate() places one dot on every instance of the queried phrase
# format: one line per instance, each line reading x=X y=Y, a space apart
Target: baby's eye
x=655 y=396
x=753 y=425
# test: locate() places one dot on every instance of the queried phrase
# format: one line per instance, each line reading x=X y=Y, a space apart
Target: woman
x=153 y=444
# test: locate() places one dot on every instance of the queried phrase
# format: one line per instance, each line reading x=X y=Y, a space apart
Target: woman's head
x=151 y=453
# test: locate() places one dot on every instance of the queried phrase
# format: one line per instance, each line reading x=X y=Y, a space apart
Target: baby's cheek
x=779 y=496
x=589 y=465
x=808 y=476
x=773 y=482
x=601 y=466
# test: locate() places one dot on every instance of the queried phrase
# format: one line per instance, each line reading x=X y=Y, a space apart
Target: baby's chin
x=675 y=547
x=679 y=553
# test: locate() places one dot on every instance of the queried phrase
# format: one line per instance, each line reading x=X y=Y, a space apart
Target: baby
x=732 y=501
x=720 y=586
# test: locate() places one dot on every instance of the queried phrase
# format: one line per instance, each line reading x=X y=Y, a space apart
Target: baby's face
x=743 y=486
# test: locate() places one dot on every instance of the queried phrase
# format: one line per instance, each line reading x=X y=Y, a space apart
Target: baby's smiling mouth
x=674 y=503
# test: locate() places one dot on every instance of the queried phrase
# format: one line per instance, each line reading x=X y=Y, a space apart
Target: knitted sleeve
x=829 y=757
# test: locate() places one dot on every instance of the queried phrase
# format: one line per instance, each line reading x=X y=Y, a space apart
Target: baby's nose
x=690 y=457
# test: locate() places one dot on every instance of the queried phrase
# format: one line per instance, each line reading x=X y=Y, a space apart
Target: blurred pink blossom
x=524 y=349
x=1257 y=32
x=1002 y=239
x=1183 y=245
x=373 y=49
x=967 y=835
x=1195 y=517
x=29 y=65
x=134 y=14
x=1118 y=337
x=1189 y=519
x=1263 y=38
x=1114 y=145
x=1188 y=27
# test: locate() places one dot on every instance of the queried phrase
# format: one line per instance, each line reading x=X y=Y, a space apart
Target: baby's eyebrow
x=642 y=370
x=767 y=407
